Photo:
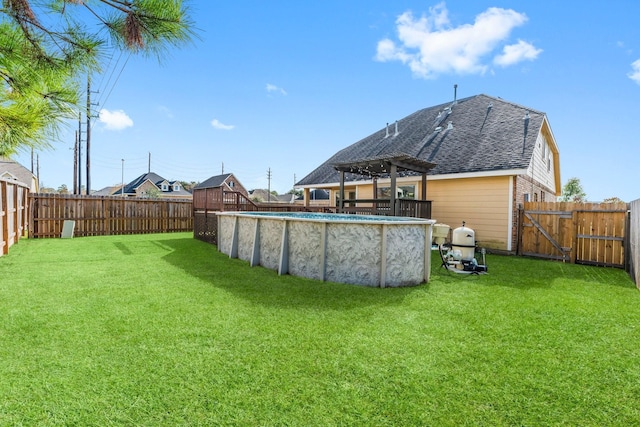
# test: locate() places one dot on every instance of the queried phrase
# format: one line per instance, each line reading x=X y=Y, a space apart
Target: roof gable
x=476 y=134
x=15 y=171
x=214 y=181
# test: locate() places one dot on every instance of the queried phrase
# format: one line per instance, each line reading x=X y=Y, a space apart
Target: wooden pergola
x=374 y=167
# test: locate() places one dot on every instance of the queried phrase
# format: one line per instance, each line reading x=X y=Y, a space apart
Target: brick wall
x=525 y=186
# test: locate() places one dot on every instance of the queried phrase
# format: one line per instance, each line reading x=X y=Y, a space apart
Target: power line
x=116 y=81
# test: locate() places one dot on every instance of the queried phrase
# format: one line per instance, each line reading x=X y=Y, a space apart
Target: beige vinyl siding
x=365 y=192
x=542 y=163
x=483 y=203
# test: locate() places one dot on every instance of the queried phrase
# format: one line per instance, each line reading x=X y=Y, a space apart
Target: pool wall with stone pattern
x=355 y=249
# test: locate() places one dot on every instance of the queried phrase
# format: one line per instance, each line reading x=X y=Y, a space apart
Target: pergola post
x=307 y=196
x=424 y=186
x=375 y=195
x=341 y=200
x=392 y=200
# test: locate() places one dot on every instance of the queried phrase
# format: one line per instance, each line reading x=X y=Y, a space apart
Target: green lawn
x=164 y=330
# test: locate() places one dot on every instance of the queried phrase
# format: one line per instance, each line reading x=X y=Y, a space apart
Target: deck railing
x=404 y=207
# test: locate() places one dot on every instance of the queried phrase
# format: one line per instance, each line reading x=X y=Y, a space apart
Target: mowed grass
x=164 y=330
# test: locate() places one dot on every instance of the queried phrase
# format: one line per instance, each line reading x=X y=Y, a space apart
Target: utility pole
x=75 y=165
x=122 y=188
x=88 y=134
x=269 y=185
x=78 y=169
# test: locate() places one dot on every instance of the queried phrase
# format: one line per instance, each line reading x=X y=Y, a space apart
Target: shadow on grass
x=123 y=248
x=263 y=286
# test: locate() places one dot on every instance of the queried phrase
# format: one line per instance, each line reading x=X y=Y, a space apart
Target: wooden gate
x=583 y=233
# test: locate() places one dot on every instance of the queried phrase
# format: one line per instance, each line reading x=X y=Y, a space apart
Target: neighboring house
x=487 y=155
x=227 y=182
x=14 y=171
x=263 y=196
x=108 y=191
x=153 y=185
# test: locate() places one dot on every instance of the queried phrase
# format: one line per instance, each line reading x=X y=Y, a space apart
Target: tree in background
x=45 y=47
x=153 y=193
x=188 y=185
x=573 y=192
x=613 y=200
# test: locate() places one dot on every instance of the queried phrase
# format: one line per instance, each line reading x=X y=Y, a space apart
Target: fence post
x=574 y=241
x=627 y=240
x=4 y=218
x=519 y=228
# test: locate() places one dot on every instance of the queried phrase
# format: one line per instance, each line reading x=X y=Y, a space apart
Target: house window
x=351 y=196
x=542 y=196
x=348 y=195
x=535 y=197
x=176 y=187
x=404 y=192
x=165 y=187
x=231 y=184
x=526 y=197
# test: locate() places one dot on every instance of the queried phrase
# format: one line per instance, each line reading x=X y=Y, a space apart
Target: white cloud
x=430 y=46
x=515 y=53
x=273 y=88
x=115 y=120
x=219 y=125
x=635 y=74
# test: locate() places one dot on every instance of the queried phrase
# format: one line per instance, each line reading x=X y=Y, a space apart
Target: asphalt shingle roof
x=156 y=179
x=475 y=134
x=214 y=181
x=17 y=170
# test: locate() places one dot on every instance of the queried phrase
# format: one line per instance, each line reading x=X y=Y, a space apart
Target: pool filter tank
x=463 y=241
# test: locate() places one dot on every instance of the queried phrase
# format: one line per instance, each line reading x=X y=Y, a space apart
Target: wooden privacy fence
x=106 y=215
x=634 y=241
x=583 y=233
x=14 y=197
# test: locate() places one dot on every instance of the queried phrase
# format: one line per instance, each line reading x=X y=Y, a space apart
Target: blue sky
x=283 y=85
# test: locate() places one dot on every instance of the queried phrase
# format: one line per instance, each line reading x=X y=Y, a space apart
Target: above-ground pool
x=357 y=249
